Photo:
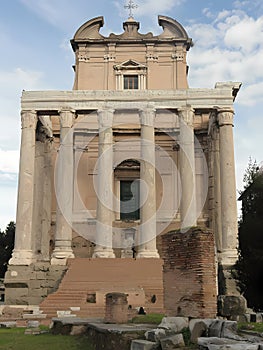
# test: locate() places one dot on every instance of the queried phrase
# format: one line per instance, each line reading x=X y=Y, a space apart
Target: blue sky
x=36 y=55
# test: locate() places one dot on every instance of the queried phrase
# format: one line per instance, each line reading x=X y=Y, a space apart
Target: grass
x=148 y=318
x=252 y=326
x=15 y=339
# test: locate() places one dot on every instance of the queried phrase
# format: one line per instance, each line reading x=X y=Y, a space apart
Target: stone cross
x=131 y=6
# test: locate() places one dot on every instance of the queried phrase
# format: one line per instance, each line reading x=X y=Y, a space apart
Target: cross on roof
x=131 y=6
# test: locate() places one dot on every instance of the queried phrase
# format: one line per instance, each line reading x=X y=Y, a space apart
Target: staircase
x=83 y=288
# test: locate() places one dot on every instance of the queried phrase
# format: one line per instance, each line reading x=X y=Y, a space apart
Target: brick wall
x=189 y=273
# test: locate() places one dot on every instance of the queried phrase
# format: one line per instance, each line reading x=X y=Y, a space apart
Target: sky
x=36 y=55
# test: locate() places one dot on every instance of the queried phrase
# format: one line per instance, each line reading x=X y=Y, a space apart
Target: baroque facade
x=130 y=154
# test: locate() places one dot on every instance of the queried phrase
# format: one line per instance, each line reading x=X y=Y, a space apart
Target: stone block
x=32 y=331
x=204 y=342
x=9 y=324
x=32 y=324
x=143 y=345
x=173 y=342
x=78 y=330
x=215 y=329
x=229 y=330
x=193 y=321
x=156 y=334
x=231 y=306
x=199 y=329
x=239 y=346
x=176 y=324
x=13 y=312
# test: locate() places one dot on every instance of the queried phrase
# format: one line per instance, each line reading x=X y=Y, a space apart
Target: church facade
x=129 y=155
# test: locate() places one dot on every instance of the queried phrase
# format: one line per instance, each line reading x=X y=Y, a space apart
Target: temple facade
x=129 y=155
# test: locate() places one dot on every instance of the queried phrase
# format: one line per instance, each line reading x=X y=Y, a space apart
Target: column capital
x=147 y=116
x=105 y=117
x=187 y=115
x=28 y=119
x=225 y=116
x=66 y=118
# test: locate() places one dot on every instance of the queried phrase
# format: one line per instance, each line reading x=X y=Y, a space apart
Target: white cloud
x=9 y=161
x=246 y=35
x=228 y=48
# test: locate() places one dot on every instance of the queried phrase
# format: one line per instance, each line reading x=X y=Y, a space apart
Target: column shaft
x=103 y=247
x=147 y=238
x=217 y=193
x=64 y=191
x=228 y=188
x=187 y=169
x=22 y=253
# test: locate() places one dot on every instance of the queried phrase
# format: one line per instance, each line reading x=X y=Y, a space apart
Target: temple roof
x=172 y=30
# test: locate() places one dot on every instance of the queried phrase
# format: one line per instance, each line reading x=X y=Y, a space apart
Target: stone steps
x=87 y=281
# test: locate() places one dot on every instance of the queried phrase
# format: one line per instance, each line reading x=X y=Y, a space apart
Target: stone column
x=217 y=192
x=64 y=191
x=47 y=200
x=228 y=187
x=187 y=168
x=22 y=253
x=147 y=235
x=103 y=242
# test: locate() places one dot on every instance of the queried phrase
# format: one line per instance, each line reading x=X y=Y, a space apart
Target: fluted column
x=103 y=242
x=22 y=253
x=64 y=191
x=228 y=187
x=147 y=237
x=187 y=168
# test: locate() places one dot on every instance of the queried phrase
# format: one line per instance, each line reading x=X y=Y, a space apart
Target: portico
x=130 y=154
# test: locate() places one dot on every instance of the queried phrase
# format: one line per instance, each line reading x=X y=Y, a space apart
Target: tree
x=6 y=247
x=250 y=262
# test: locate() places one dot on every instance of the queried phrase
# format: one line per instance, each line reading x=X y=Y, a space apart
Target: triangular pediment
x=129 y=64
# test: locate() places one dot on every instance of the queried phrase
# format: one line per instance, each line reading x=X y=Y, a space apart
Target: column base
x=22 y=257
x=103 y=253
x=60 y=257
x=147 y=254
x=228 y=257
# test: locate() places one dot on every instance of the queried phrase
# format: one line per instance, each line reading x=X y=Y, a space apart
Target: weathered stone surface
x=215 y=329
x=12 y=312
x=173 y=342
x=193 y=321
x=229 y=330
x=176 y=324
x=156 y=334
x=200 y=329
x=241 y=346
x=231 y=306
x=32 y=324
x=143 y=345
x=78 y=330
x=204 y=341
x=10 y=324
